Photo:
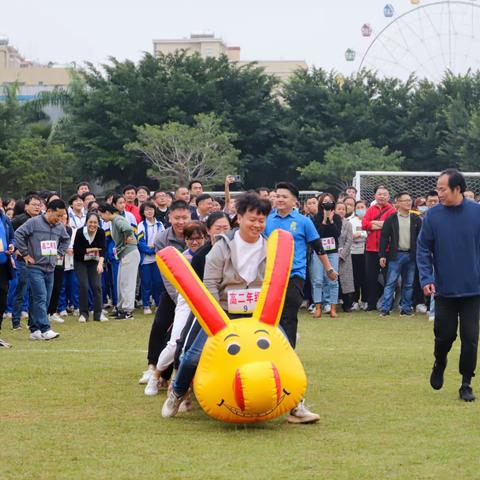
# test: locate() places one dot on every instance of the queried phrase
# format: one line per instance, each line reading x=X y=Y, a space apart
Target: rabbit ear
x=277 y=273
x=181 y=275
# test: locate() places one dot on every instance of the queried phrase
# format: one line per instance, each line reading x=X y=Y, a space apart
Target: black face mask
x=328 y=206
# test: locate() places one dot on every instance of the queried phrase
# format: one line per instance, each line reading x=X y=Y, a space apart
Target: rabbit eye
x=233 y=348
x=263 y=343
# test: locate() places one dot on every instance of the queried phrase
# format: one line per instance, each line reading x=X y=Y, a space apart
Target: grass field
x=71 y=408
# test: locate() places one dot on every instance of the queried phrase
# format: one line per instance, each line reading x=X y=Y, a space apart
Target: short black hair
x=143 y=187
x=431 y=193
x=57 y=204
x=194 y=181
x=92 y=213
x=32 y=196
x=74 y=197
x=83 y=184
x=401 y=194
x=147 y=204
x=202 y=197
x=290 y=187
x=351 y=187
x=84 y=195
x=220 y=200
x=179 y=205
x=455 y=179
x=378 y=187
x=106 y=207
x=213 y=217
x=252 y=202
x=262 y=189
x=116 y=197
x=129 y=187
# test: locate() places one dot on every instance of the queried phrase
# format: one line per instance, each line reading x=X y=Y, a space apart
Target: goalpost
x=418 y=184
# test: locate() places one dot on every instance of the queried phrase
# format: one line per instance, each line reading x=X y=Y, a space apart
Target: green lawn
x=71 y=408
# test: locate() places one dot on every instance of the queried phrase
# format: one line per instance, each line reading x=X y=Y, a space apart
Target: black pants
x=372 y=270
x=4 y=279
x=87 y=275
x=160 y=331
x=447 y=313
x=358 y=264
x=293 y=300
x=57 y=288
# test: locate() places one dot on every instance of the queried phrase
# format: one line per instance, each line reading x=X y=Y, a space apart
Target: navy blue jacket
x=448 y=250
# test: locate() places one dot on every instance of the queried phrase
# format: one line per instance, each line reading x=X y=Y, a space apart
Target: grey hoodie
x=29 y=236
x=221 y=269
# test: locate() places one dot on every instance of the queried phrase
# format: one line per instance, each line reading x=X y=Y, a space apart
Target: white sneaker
x=82 y=319
x=431 y=318
x=56 y=318
x=147 y=311
x=103 y=318
x=301 y=414
x=64 y=313
x=421 y=308
x=36 y=335
x=50 y=335
x=145 y=377
x=355 y=307
x=327 y=308
x=8 y=315
x=364 y=306
x=172 y=404
x=186 y=406
x=152 y=386
x=311 y=308
x=24 y=315
x=76 y=312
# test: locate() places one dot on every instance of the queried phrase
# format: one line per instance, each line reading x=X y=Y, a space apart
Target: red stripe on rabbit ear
x=181 y=275
x=277 y=275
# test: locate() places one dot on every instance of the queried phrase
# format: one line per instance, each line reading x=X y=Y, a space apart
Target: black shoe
x=405 y=313
x=371 y=309
x=115 y=312
x=17 y=327
x=466 y=393
x=436 y=378
x=124 y=316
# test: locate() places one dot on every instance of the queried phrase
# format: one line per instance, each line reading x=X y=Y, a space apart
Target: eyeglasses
x=195 y=239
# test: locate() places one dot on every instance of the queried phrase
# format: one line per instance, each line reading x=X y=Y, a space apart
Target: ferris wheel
x=428 y=41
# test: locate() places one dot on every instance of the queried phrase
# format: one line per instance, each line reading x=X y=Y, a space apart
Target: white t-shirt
x=248 y=257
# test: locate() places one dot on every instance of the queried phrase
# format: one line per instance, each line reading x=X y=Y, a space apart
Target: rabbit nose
x=257 y=387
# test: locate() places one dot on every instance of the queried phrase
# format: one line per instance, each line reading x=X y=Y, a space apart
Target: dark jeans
x=358 y=264
x=4 y=279
x=293 y=300
x=447 y=313
x=372 y=270
x=160 y=332
x=87 y=275
x=18 y=299
x=57 y=288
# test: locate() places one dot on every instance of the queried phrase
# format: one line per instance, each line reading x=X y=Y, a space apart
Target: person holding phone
x=88 y=255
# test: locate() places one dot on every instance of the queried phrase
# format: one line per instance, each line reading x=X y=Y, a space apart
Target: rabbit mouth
x=240 y=413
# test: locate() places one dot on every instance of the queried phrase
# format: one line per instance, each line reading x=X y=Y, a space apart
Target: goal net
x=418 y=184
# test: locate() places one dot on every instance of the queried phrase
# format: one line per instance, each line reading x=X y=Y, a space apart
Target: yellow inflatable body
x=248 y=372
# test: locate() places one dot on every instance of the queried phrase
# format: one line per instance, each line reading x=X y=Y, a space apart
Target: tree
x=342 y=161
x=179 y=153
x=32 y=164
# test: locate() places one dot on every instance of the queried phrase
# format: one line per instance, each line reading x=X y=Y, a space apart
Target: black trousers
x=358 y=264
x=448 y=311
x=372 y=270
x=4 y=279
x=293 y=301
x=87 y=275
x=160 y=331
x=57 y=288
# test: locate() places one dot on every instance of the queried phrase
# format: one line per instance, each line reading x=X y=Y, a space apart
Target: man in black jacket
x=398 y=241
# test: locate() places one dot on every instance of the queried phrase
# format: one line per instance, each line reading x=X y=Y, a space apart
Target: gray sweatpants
x=126 y=281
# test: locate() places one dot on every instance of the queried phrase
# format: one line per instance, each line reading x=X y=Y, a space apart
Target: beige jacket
x=221 y=271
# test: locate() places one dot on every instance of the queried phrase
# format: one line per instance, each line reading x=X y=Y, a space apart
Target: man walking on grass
x=449 y=245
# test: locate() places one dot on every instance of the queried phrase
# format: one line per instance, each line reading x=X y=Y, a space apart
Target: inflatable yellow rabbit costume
x=248 y=372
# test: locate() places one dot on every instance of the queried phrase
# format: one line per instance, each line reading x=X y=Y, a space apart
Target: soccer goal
x=418 y=184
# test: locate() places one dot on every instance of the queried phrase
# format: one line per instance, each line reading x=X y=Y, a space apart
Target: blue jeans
x=20 y=291
x=69 y=291
x=402 y=265
x=324 y=290
x=152 y=284
x=41 y=285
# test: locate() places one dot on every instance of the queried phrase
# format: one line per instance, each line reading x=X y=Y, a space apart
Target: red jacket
x=375 y=213
x=133 y=209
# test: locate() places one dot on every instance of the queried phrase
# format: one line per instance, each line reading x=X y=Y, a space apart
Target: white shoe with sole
x=145 y=377
x=36 y=335
x=103 y=318
x=172 y=404
x=56 y=318
x=421 y=308
x=64 y=313
x=147 y=311
x=82 y=319
x=24 y=315
x=152 y=387
x=355 y=307
x=301 y=414
x=50 y=335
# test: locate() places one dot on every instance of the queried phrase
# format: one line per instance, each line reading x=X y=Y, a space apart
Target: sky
x=317 y=31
